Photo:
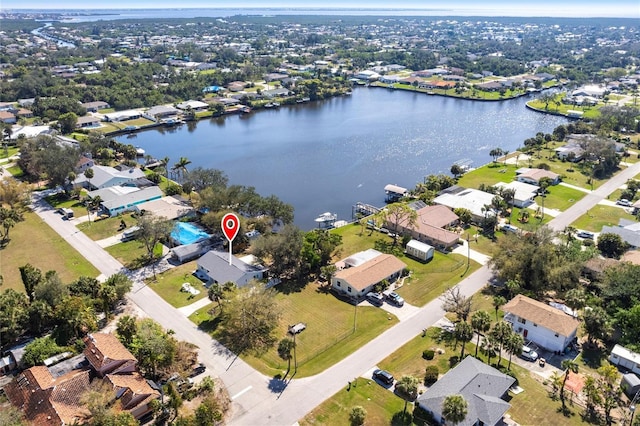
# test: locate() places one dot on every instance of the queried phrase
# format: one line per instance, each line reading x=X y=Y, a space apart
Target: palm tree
x=89 y=175
x=181 y=166
x=501 y=332
x=481 y=323
x=284 y=351
x=463 y=333
x=497 y=302
x=514 y=345
x=569 y=366
x=165 y=164
x=454 y=409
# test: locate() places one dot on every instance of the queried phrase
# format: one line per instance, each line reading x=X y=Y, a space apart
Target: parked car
x=509 y=228
x=395 y=299
x=297 y=328
x=529 y=354
x=587 y=235
x=624 y=202
x=383 y=376
x=198 y=369
x=375 y=298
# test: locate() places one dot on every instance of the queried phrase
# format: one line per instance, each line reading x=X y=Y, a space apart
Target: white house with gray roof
x=105 y=176
x=214 y=267
x=482 y=386
x=120 y=199
x=473 y=200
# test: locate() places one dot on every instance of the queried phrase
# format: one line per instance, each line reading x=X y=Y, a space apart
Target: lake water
x=328 y=155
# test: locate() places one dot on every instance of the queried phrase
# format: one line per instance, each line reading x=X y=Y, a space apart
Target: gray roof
x=162 y=110
x=130 y=198
x=103 y=174
x=630 y=236
x=481 y=385
x=217 y=263
x=190 y=251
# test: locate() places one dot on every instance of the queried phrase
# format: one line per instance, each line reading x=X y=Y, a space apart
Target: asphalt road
x=261 y=400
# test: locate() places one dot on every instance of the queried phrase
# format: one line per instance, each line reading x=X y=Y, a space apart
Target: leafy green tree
x=153 y=229
x=8 y=219
x=51 y=290
x=596 y=324
x=456 y=171
x=408 y=386
x=481 y=323
x=612 y=245
x=627 y=323
x=610 y=391
x=455 y=409
x=250 y=319
x=31 y=277
x=495 y=153
x=39 y=350
x=396 y=215
x=12 y=416
x=67 y=122
x=41 y=317
x=75 y=317
x=464 y=215
x=153 y=347
x=318 y=247
x=126 y=330
x=13 y=315
x=209 y=412
x=281 y=251
x=591 y=391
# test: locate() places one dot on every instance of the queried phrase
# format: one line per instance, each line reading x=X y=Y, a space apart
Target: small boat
x=326 y=220
x=140 y=152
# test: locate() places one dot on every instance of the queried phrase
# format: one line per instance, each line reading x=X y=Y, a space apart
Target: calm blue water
x=328 y=155
x=188 y=233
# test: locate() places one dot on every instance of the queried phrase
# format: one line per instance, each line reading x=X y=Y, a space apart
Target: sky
x=579 y=8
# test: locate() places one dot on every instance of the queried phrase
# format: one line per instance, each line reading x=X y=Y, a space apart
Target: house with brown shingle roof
x=356 y=281
x=540 y=323
x=533 y=176
x=134 y=392
x=48 y=401
x=107 y=355
x=430 y=227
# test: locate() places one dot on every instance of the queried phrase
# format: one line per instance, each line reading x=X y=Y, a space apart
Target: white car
x=528 y=354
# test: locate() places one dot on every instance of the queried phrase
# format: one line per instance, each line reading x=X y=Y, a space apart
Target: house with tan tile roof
x=135 y=393
x=107 y=355
x=47 y=401
x=540 y=323
x=356 y=281
x=430 y=227
x=533 y=176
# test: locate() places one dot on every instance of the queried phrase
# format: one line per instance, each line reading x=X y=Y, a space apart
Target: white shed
x=419 y=250
x=623 y=357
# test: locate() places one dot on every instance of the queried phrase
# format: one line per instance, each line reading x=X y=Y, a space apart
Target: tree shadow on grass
x=565 y=411
x=291 y=286
x=209 y=325
x=401 y=418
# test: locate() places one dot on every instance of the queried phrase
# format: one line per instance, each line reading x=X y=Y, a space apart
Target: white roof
x=419 y=245
x=625 y=353
x=361 y=257
x=471 y=199
x=28 y=131
x=192 y=104
x=524 y=191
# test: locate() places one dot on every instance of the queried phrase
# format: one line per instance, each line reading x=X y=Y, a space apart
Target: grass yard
x=589 y=112
x=34 y=242
x=489 y=174
x=104 y=228
x=60 y=200
x=132 y=254
x=169 y=282
x=15 y=171
x=9 y=152
x=601 y=215
x=382 y=406
x=560 y=197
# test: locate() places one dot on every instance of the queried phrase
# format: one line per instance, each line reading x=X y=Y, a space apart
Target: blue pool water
x=188 y=233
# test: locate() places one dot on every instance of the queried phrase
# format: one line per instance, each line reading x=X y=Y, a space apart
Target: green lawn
x=168 y=284
x=489 y=174
x=560 y=197
x=589 y=112
x=104 y=228
x=15 y=171
x=60 y=200
x=131 y=253
x=599 y=216
x=382 y=406
x=329 y=336
x=34 y=242
x=11 y=151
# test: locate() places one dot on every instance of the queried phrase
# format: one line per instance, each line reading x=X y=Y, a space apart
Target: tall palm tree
x=514 y=345
x=165 y=164
x=501 y=332
x=463 y=333
x=454 y=409
x=284 y=351
x=481 y=323
x=89 y=175
x=569 y=366
x=181 y=166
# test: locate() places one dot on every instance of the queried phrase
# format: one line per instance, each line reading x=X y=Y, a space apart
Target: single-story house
x=628 y=230
x=107 y=355
x=120 y=199
x=194 y=105
x=626 y=359
x=214 y=267
x=367 y=75
x=24 y=113
x=8 y=117
x=356 y=281
x=525 y=193
x=87 y=121
x=430 y=226
x=540 y=323
x=276 y=92
x=473 y=200
x=590 y=90
x=533 y=176
x=482 y=386
x=105 y=176
x=389 y=79
x=95 y=106
x=167 y=207
x=131 y=114
x=161 y=111
x=188 y=252
x=84 y=163
x=570 y=151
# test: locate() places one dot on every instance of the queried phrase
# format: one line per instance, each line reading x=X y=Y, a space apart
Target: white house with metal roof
x=105 y=176
x=214 y=267
x=474 y=200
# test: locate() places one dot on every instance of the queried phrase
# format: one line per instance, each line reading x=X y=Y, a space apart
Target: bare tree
x=454 y=301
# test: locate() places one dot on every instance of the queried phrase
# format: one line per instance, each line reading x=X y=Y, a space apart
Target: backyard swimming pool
x=188 y=233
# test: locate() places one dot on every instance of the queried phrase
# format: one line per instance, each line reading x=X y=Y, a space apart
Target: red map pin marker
x=230 y=226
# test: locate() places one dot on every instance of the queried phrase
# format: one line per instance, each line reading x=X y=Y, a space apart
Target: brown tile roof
x=541 y=314
x=136 y=386
x=371 y=272
x=103 y=348
x=5 y=115
x=537 y=174
x=430 y=221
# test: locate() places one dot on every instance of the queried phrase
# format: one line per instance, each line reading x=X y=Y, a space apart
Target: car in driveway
x=375 y=298
x=198 y=369
x=586 y=234
x=510 y=228
x=383 y=376
x=528 y=354
x=624 y=202
x=395 y=299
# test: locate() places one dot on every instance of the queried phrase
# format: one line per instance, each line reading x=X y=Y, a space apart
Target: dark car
x=375 y=298
x=383 y=376
x=198 y=369
x=585 y=234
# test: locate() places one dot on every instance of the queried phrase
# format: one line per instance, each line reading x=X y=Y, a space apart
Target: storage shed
x=625 y=359
x=419 y=250
x=630 y=384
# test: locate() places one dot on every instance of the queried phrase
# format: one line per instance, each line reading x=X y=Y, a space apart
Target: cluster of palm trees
x=179 y=169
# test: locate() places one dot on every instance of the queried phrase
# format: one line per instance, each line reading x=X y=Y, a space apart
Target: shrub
x=428 y=354
x=431 y=375
x=173 y=189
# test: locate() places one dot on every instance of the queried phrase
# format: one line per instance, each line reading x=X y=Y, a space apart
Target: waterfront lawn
x=168 y=285
x=553 y=108
x=601 y=215
x=34 y=242
x=382 y=406
x=101 y=229
x=61 y=200
x=132 y=254
x=489 y=175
